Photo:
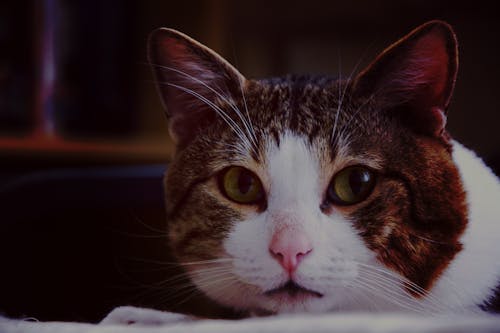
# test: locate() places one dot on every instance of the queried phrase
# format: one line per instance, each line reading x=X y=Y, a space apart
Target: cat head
x=310 y=193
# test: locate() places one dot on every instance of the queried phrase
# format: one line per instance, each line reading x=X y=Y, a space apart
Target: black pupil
x=245 y=182
x=357 y=181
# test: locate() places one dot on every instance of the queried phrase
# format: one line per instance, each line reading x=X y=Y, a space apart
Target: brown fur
x=417 y=211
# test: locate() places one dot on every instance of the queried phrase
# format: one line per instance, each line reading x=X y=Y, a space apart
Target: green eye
x=351 y=185
x=241 y=185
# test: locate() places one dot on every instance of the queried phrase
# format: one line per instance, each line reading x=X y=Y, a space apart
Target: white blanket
x=135 y=320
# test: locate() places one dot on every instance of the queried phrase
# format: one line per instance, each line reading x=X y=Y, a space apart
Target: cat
x=315 y=194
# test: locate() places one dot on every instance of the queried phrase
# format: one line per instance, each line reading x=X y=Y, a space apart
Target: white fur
x=294 y=198
x=472 y=275
x=295 y=190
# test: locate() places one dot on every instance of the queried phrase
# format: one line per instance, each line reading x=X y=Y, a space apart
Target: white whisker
x=225 y=99
x=339 y=106
x=394 y=284
x=345 y=127
x=210 y=261
x=392 y=274
x=346 y=85
x=188 y=291
x=389 y=294
x=228 y=120
x=252 y=130
x=392 y=278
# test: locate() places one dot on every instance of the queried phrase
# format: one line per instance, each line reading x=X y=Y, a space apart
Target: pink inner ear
x=171 y=48
x=188 y=69
x=175 y=54
x=428 y=68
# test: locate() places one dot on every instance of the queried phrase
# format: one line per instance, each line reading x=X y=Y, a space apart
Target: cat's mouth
x=292 y=289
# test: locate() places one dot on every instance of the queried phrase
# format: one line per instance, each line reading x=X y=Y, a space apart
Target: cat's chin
x=292 y=297
x=279 y=300
x=299 y=303
x=293 y=291
x=286 y=303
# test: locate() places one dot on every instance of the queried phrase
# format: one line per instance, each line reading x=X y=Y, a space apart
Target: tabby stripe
x=182 y=201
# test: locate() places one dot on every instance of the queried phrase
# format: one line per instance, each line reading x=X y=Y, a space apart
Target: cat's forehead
x=320 y=110
x=308 y=106
x=335 y=126
x=299 y=104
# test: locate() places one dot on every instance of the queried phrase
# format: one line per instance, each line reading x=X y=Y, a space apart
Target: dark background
x=83 y=140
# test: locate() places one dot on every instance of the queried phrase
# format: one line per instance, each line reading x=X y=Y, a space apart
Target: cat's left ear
x=415 y=77
x=190 y=78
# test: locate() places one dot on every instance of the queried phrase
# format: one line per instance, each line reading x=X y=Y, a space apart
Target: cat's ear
x=190 y=78
x=415 y=77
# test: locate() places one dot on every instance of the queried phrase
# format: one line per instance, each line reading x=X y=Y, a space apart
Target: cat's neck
x=474 y=274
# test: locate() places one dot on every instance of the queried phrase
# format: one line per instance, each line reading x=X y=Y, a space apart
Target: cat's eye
x=241 y=185
x=351 y=185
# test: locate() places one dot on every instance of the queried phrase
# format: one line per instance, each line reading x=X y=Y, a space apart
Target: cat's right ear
x=415 y=77
x=189 y=77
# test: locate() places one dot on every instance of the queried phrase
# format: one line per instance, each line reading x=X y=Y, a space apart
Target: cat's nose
x=289 y=246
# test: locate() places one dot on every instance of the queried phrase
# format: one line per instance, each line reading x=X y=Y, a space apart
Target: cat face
x=312 y=194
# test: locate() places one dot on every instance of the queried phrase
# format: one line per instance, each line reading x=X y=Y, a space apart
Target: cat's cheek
x=333 y=268
x=338 y=250
x=228 y=291
x=248 y=244
x=251 y=271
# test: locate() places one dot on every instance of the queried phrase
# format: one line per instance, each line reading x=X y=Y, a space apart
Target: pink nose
x=289 y=246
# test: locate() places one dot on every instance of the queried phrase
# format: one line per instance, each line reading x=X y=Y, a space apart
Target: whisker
x=253 y=136
x=210 y=261
x=391 y=295
x=171 y=296
x=222 y=287
x=437 y=306
x=187 y=276
x=129 y=234
x=346 y=85
x=388 y=295
x=218 y=94
x=151 y=261
x=172 y=284
x=214 y=278
x=388 y=275
x=228 y=120
x=362 y=297
x=370 y=98
x=429 y=240
x=171 y=289
x=358 y=110
x=149 y=227
x=229 y=147
x=246 y=106
x=392 y=274
x=192 y=289
x=339 y=106
x=392 y=279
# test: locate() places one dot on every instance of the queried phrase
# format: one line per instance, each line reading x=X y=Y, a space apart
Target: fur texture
x=420 y=241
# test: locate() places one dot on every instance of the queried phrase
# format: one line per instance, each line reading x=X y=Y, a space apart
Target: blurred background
x=83 y=139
